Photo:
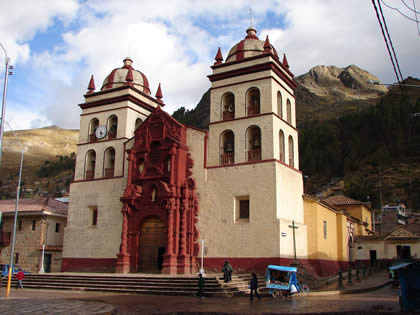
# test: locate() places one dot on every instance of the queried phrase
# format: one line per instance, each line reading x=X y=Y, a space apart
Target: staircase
x=137 y=284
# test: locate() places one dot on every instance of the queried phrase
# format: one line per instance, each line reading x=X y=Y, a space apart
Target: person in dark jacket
x=253 y=285
x=201 y=282
x=227 y=271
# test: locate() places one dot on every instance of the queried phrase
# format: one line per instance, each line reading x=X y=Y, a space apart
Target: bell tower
x=108 y=121
x=253 y=162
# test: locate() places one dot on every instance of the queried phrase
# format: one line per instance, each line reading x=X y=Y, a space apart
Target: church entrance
x=153 y=242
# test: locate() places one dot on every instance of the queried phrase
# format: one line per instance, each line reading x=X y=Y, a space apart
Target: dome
x=248 y=47
x=126 y=75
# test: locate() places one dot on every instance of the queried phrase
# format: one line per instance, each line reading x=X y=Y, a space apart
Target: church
x=151 y=195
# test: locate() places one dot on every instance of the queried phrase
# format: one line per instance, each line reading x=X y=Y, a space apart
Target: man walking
x=20 y=275
x=201 y=282
x=253 y=285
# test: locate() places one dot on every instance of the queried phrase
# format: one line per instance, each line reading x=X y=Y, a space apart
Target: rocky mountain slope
x=328 y=92
x=43 y=148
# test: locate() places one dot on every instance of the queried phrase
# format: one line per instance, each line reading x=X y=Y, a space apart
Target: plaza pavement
x=327 y=300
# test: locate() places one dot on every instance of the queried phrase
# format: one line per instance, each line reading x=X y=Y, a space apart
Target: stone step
x=131 y=284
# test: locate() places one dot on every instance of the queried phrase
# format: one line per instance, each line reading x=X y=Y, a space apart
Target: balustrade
x=227 y=158
x=254 y=155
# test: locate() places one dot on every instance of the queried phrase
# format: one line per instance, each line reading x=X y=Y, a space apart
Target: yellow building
x=332 y=225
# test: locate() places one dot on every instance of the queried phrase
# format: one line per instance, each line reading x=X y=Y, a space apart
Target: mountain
x=48 y=161
x=328 y=92
x=375 y=151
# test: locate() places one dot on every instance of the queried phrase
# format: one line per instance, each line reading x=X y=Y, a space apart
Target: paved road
x=32 y=302
x=61 y=302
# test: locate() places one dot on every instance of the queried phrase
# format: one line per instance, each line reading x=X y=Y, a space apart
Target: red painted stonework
x=159 y=184
x=219 y=57
x=91 y=86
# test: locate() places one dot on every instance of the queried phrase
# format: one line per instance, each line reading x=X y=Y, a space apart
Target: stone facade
x=38 y=223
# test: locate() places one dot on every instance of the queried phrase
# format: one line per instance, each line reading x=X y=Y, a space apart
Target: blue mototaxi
x=281 y=281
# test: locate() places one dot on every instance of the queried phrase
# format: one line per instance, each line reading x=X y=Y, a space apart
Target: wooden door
x=153 y=241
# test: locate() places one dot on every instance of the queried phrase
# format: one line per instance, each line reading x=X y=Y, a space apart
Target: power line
x=387 y=45
x=410 y=8
x=396 y=9
x=390 y=41
x=415 y=14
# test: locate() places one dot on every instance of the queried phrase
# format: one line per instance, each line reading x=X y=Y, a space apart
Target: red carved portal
x=160 y=203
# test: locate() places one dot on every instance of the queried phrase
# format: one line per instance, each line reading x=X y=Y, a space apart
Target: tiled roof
x=409 y=232
x=35 y=205
x=342 y=201
x=369 y=237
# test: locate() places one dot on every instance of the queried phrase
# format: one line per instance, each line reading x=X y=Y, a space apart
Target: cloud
x=20 y=118
x=25 y=18
x=342 y=33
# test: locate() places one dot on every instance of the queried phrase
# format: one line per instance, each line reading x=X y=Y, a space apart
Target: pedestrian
x=253 y=285
x=201 y=282
x=227 y=271
x=19 y=276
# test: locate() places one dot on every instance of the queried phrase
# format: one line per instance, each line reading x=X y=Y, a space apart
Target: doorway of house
x=47 y=262
x=153 y=241
x=372 y=256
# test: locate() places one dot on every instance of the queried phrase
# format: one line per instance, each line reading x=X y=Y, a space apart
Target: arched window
x=109 y=162
x=291 y=152
x=253 y=102
x=112 y=127
x=228 y=105
x=137 y=124
x=90 y=163
x=93 y=124
x=281 y=145
x=279 y=105
x=289 y=112
x=227 y=148
x=253 y=136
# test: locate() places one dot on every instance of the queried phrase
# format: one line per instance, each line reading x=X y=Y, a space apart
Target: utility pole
x=3 y=107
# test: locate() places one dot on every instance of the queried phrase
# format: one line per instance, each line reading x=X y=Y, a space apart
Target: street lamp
x=16 y=210
x=3 y=107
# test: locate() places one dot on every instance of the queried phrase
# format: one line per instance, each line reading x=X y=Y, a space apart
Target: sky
x=55 y=46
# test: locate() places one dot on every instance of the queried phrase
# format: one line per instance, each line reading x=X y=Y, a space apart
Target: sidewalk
x=369 y=283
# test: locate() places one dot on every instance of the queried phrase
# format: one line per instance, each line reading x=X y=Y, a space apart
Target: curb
x=349 y=291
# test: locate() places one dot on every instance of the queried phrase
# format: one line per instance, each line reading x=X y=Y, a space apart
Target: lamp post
x=9 y=280
x=3 y=107
x=41 y=270
x=202 y=259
